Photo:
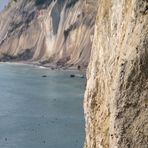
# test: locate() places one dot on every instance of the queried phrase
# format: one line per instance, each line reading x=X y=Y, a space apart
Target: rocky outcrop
x=116 y=98
x=58 y=31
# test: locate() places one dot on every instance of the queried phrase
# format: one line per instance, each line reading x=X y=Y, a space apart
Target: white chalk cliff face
x=116 y=98
x=58 y=31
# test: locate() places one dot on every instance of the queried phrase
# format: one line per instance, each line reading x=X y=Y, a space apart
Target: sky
x=3 y=3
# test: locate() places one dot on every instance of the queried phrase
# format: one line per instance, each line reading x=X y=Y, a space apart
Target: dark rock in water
x=72 y=76
x=5 y=139
x=44 y=76
x=79 y=67
x=44 y=141
x=77 y=75
x=52 y=68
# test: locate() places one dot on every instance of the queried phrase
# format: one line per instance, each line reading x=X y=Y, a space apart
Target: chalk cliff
x=61 y=32
x=116 y=98
x=58 y=31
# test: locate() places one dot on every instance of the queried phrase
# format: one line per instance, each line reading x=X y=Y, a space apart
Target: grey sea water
x=37 y=112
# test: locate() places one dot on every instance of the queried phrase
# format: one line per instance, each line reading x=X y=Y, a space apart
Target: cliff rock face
x=116 y=98
x=58 y=31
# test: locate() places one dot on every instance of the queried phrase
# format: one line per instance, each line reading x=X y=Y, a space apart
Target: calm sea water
x=37 y=112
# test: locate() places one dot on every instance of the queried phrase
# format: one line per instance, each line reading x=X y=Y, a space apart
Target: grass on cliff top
x=46 y=3
x=42 y=3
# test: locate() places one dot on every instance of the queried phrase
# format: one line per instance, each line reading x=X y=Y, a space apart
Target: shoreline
x=50 y=66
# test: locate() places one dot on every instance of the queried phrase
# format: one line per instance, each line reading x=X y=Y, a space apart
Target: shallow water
x=37 y=112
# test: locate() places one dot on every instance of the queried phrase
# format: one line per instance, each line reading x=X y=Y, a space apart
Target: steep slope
x=116 y=99
x=58 y=31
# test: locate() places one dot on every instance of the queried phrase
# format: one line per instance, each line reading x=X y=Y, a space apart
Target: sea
x=40 y=108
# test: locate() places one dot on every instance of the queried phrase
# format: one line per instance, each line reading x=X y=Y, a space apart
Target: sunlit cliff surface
x=58 y=31
x=116 y=98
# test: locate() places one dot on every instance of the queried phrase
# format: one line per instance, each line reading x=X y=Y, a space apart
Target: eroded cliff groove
x=54 y=31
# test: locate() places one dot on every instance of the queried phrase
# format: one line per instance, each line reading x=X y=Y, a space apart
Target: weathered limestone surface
x=116 y=98
x=57 y=31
